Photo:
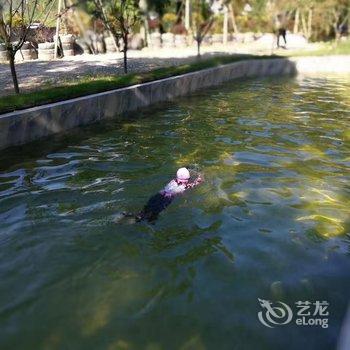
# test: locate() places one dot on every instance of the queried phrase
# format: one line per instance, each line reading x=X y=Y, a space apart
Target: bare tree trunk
x=336 y=31
x=58 y=22
x=13 y=72
x=296 y=21
x=305 y=26
x=146 y=34
x=144 y=27
x=337 y=36
x=233 y=19
x=225 y=28
x=339 y=25
x=198 y=47
x=125 y=53
x=187 y=16
x=309 y=24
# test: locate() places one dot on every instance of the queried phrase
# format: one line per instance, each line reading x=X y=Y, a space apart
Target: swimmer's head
x=183 y=175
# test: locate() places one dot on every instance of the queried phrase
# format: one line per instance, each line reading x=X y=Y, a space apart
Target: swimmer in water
x=162 y=199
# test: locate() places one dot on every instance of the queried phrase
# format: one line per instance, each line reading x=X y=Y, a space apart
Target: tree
x=143 y=5
x=127 y=14
x=202 y=20
x=232 y=16
x=119 y=17
x=319 y=18
x=16 y=17
x=306 y=21
x=338 y=15
x=159 y=6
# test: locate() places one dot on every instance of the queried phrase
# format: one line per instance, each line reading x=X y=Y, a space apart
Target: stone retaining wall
x=20 y=127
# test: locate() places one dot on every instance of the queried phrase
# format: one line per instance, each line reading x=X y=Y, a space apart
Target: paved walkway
x=33 y=75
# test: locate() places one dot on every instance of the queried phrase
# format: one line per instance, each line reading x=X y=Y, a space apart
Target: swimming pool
x=270 y=222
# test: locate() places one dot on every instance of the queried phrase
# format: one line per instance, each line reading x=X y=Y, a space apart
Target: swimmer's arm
x=195 y=182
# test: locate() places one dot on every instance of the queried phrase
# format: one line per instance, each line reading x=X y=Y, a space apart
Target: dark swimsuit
x=154 y=206
x=157 y=203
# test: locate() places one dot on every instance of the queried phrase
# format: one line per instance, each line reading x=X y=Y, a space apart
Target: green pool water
x=270 y=222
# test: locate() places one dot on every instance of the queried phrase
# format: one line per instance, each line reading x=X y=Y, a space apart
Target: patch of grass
x=89 y=85
x=321 y=49
x=333 y=48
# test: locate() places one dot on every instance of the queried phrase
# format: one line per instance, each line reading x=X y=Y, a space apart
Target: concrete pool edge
x=20 y=127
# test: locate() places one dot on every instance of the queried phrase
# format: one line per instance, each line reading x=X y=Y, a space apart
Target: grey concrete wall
x=31 y=124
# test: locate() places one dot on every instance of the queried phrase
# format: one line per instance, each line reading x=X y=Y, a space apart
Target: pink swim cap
x=183 y=174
